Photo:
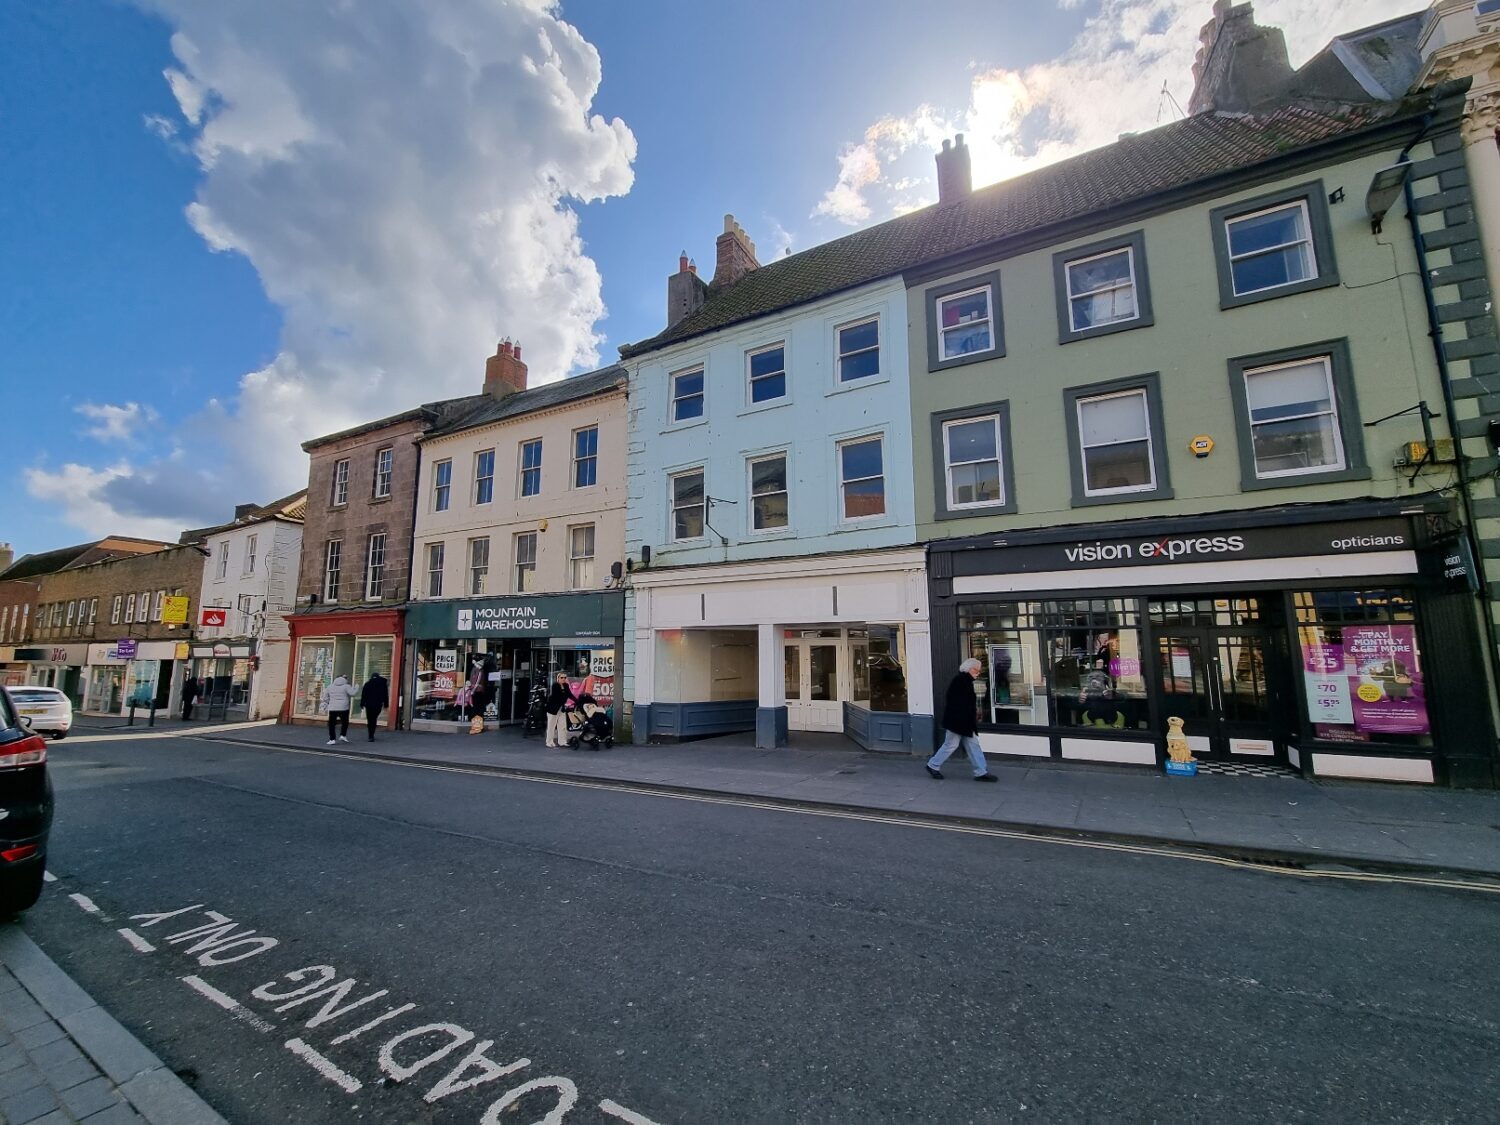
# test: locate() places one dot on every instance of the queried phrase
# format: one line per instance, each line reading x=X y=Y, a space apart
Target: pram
x=590 y=727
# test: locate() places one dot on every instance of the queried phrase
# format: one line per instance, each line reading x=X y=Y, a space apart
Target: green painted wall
x=1189 y=344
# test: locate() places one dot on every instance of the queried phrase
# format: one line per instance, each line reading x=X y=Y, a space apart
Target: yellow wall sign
x=182 y=650
x=1201 y=446
x=174 y=610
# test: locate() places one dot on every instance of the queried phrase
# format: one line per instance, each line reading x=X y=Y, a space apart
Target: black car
x=25 y=810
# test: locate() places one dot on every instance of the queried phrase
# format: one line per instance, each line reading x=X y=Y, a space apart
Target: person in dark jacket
x=559 y=700
x=374 y=697
x=961 y=724
x=189 y=694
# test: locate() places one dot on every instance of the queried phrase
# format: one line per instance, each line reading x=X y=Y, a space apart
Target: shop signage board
x=546 y=615
x=174 y=610
x=213 y=618
x=1177 y=547
x=124 y=649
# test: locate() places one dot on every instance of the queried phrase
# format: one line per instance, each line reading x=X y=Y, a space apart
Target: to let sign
x=213 y=618
x=125 y=650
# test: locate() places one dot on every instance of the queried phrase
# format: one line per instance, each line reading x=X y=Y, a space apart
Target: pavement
x=1281 y=819
x=65 y=1059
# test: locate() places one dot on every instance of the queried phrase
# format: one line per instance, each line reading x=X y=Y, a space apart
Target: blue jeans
x=971 y=747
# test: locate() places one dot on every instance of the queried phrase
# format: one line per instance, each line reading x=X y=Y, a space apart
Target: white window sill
x=691 y=423
x=761 y=407
x=856 y=384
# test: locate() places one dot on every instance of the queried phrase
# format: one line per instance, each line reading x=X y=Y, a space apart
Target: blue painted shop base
x=770 y=727
x=889 y=732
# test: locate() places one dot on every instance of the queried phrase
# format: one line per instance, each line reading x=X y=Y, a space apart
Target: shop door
x=1216 y=681
x=811 y=671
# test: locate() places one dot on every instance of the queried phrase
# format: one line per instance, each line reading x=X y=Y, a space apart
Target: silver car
x=44 y=709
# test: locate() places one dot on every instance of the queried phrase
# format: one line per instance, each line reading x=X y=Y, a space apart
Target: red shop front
x=351 y=643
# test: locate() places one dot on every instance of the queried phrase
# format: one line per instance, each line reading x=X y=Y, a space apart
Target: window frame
x=673 y=398
x=949 y=464
x=517 y=565
x=221 y=564
x=72 y=612
x=250 y=545
x=93 y=612
x=786 y=376
x=785 y=457
x=1148 y=384
x=1135 y=243
x=333 y=568
x=436 y=552
x=591 y=459
x=384 y=474
x=522 y=470
x=884 y=515
x=574 y=558
x=672 y=477
x=482 y=478
x=157 y=601
x=129 y=611
x=839 y=382
x=1314 y=197
x=477 y=575
x=939 y=421
x=1346 y=405
x=116 y=609
x=933 y=298
x=340 y=495
x=375 y=570
x=442 y=490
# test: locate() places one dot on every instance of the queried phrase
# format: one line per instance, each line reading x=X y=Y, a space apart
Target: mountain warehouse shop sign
x=502 y=619
x=584 y=614
x=1321 y=539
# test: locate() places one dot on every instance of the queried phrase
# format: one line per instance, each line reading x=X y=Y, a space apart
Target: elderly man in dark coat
x=961 y=725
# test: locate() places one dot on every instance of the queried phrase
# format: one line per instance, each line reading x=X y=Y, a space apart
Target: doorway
x=811 y=667
x=1218 y=663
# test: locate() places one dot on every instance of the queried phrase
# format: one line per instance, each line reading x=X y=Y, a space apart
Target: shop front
x=128 y=673
x=513 y=644
x=224 y=673
x=352 y=644
x=12 y=671
x=59 y=666
x=1331 y=640
x=832 y=643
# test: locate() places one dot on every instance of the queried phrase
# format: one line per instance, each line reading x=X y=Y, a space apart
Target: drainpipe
x=1435 y=334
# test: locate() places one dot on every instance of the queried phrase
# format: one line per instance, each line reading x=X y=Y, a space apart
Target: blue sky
x=287 y=219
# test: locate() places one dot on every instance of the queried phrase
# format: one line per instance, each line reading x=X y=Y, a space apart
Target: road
x=280 y=927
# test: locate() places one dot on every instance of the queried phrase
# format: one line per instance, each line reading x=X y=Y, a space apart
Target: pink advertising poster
x=1385 y=679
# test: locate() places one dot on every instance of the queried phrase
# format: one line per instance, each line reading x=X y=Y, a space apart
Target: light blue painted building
x=775 y=585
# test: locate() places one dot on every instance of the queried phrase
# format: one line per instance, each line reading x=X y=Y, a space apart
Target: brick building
x=355 y=571
x=105 y=621
x=21 y=659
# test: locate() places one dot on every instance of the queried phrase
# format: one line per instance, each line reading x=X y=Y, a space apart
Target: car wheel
x=21 y=892
x=57 y=735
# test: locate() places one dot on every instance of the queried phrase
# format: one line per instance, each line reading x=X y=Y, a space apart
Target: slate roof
x=481 y=410
x=1133 y=168
x=50 y=562
x=292 y=507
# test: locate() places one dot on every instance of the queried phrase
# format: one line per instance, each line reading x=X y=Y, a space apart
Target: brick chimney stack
x=7 y=556
x=736 y=254
x=504 y=373
x=686 y=291
x=1240 y=65
x=955 y=178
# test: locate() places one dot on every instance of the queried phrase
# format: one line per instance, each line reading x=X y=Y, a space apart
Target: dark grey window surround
x=1351 y=433
x=1151 y=384
x=997 y=321
x=940 y=462
x=1322 y=239
x=1136 y=241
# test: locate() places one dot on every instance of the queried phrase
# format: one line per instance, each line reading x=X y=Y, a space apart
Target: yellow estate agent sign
x=174 y=611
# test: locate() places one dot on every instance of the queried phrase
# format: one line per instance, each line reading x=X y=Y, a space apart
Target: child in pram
x=590 y=726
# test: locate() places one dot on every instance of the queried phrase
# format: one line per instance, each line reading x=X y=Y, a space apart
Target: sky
x=227 y=227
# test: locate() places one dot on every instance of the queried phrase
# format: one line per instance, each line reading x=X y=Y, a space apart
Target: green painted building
x=1184 y=446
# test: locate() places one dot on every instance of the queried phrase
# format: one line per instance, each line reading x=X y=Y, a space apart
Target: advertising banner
x=174 y=610
x=1367 y=683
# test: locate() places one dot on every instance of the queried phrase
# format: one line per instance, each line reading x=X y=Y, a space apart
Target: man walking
x=961 y=725
x=374 y=697
x=340 y=696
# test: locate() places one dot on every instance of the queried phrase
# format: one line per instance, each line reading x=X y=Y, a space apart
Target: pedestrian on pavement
x=189 y=693
x=558 y=701
x=374 y=697
x=961 y=724
x=340 y=696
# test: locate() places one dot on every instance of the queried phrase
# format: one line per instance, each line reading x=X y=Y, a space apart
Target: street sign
x=213 y=618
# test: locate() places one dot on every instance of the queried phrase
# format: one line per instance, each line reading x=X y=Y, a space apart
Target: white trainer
x=330 y=742
x=343 y=738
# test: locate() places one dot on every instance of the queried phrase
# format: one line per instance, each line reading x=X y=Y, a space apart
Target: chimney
x=504 y=373
x=736 y=254
x=7 y=556
x=955 y=180
x=243 y=510
x=1240 y=65
x=685 y=291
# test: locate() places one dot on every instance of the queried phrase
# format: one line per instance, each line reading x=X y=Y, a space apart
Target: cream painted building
x=519 y=524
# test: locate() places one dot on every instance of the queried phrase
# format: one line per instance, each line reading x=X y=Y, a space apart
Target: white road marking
x=325 y=1066
x=615 y=1109
x=222 y=999
x=49 y=877
x=138 y=943
x=86 y=904
x=898 y=821
x=376 y=1022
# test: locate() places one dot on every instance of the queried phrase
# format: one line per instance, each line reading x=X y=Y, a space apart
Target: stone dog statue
x=1177 y=744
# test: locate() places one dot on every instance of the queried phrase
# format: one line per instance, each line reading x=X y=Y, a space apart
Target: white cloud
x=116 y=423
x=75 y=492
x=402 y=177
x=1107 y=82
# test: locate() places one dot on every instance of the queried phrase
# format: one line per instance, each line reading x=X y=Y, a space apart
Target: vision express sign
x=1177 y=547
